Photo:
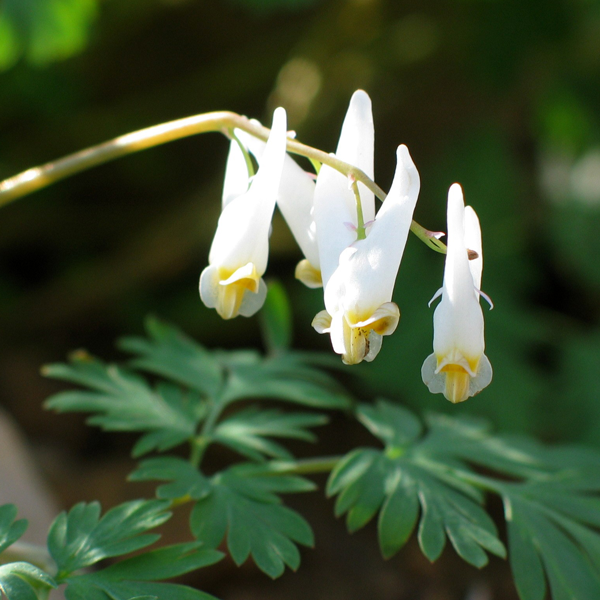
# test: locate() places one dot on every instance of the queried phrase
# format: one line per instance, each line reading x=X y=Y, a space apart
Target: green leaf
x=185 y=479
x=549 y=536
x=368 y=481
x=136 y=577
x=246 y=431
x=81 y=538
x=10 y=530
x=21 y=581
x=170 y=353
x=123 y=401
x=276 y=319
x=284 y=378
x=392 y=424
x=244 y=506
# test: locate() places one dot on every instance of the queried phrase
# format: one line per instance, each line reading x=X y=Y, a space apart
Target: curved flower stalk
x=335 y=204
x=296 y=203
x=458 y=368
x=359 y=310
x=232 y=283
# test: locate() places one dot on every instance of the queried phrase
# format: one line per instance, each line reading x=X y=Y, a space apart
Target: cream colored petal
x=383 y=321
x=308 y=275
x=209 y=284
x=322 y=322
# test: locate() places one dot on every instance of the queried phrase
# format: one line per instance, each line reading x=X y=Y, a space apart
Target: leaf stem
x=31 y=553
x=39 y=177
x=305 y=466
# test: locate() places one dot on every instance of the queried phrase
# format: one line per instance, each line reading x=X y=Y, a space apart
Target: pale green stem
x=307 y=466
x=38 y=177
x=31 y=553
x=249 y=165
x=361 y=234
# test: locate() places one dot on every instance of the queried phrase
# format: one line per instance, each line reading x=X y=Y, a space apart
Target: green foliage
x=22 y=581
x=137 y=577
x=553 y=534
x=241 y=502
x=125 y=402
x=81 y=538
x=10 y=530
x=232 y=376
x=43 y=30
x=170 y=353
x=551 y=498
x=247 y=431
x=18 y=580
x=396 y=481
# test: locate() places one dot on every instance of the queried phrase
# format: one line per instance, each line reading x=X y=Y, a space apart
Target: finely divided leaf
x=244 y=505
x=81 y=537
x=553 y=535
x=395 y=425
x=136 y=577
x=283 y=378
x=10 y=530
x=21 y=581
x=368 y=481
x=172 y=354
x=185 y=479
x=247 y=431
x=123 y=401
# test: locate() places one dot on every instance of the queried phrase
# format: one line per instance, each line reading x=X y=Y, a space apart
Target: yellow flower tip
x=246 y=277
x=357 y=343
x=308 y=275
x=382 y=321
x=457 y=383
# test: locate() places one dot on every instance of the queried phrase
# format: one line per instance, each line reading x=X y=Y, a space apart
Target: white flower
x=458 y=368
x=232 y=283
x=359 y=310
x=296 y=203
x=334 y=201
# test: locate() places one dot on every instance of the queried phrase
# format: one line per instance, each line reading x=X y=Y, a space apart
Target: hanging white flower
x=296 y=203
x=458 y=367
x=232 y=283
x=334 y=201
x=358 y=297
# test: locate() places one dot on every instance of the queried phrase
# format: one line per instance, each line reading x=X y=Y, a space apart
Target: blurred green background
x=502 y=96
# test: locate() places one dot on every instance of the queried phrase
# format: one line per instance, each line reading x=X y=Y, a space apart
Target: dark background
x=502 y=96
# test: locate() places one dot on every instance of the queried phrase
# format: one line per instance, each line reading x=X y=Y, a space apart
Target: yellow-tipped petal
x=322 y=322
x=457 y=383
x=308 y=275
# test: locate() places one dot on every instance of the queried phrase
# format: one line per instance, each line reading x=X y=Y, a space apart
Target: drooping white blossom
x=296 y=203
x=458 y=367
x=334 y=201
x=358 y=296
x=232 y=283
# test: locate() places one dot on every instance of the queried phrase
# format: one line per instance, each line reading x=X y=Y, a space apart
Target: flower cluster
x=350 y=250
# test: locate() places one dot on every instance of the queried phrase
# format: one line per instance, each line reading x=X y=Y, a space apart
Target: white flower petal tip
x=457 y=381
x=308 y=275
x=242 y=292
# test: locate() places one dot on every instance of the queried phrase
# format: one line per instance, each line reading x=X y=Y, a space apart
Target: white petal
x=253 y=302
x=367 y=270
x=209 y=281
x=242 y=234
x=335 y=203
x=236 y=174
x=436 y=382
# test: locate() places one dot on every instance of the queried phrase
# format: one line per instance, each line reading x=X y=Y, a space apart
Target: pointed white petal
x=236 y=174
